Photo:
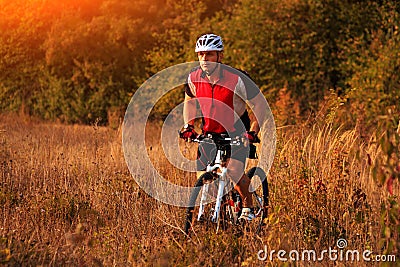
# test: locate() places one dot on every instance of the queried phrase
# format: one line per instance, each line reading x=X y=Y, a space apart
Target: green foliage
x=21 y=54
x=386 y=172
x=167 y=103
x=387 y=163
x=97 y=60
x=390 y=225
x=375 y=84
x=76 y=60
x=81 y=64
x=300 y=45
x=175 y=42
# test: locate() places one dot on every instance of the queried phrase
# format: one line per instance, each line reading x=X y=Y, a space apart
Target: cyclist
x=222 y=94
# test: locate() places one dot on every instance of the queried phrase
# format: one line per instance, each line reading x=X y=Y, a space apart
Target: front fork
x=218 y=202
x=221 y=186
x=203 y=200
x=204 y=192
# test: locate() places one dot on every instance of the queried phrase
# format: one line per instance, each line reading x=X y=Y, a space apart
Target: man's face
x=208 y=59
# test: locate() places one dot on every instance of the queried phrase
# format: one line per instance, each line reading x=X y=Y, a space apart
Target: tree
x=23 y=27
x=374 y=87
x=175 y=42
x=298 y=45
x=94 y=61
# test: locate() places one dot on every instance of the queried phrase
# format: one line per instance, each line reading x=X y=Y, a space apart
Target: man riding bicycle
x=222 y=94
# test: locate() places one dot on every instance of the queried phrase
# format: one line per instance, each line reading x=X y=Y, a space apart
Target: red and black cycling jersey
x=223 y=104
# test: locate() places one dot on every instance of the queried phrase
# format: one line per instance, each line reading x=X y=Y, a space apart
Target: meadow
x=68 y=199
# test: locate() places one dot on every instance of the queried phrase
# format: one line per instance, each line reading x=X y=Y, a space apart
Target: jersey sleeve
x=251 y=88
x=246 y=88
x=240 y=89
x=190 y=89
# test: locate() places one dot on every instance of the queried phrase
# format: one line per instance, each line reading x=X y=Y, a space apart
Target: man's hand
x=251 y=137
x=188 y=133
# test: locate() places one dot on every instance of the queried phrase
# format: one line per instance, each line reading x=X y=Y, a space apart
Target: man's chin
x=205 y=67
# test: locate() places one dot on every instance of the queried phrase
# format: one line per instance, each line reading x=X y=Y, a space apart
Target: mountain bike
x=227 y=208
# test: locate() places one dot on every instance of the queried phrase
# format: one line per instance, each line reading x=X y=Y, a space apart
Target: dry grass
x=67 y=198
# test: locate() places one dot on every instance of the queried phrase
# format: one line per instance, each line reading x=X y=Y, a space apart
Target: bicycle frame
x=222 y=179
x=217 y=173
x=221 y=186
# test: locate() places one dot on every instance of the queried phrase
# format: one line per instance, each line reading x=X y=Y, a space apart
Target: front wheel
x=190 y=211
x=258 y=188
x=205 y=215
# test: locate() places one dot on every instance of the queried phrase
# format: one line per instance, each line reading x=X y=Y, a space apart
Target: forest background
x=80 y=61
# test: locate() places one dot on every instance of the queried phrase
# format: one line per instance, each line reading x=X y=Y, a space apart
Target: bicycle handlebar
x=201 y=138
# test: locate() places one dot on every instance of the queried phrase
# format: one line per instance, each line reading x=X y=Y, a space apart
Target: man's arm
x=189 y=110
x=259 y=107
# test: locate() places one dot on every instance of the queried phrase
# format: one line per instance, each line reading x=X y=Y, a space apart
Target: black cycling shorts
x=207 y=152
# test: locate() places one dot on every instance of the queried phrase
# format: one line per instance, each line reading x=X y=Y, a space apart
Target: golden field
x=68 y=199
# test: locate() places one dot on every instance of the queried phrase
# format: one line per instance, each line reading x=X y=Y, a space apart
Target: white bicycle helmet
x=209 y=42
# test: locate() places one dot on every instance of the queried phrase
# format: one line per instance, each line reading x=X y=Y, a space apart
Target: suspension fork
x=204 y=192
x=221 y=186
x=215 y=217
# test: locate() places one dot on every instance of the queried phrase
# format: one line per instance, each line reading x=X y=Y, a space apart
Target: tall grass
x=67 y=198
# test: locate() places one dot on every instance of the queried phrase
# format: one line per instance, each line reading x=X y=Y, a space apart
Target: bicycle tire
x=192 y=200
x=223 y=219
x=260 y=205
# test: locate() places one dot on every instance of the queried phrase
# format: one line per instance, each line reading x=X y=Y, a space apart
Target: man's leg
x=242 y=182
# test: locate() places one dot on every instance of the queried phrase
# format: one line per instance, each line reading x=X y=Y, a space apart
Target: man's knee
x=235 y=170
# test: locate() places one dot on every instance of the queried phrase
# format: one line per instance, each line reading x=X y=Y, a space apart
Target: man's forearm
x=189 y=110
x=259 y=108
